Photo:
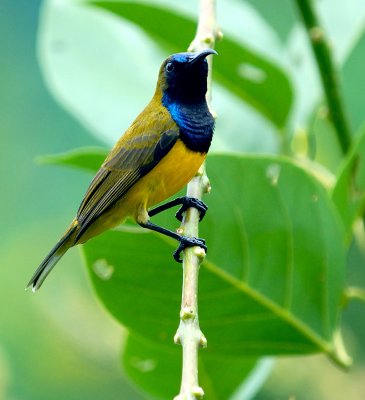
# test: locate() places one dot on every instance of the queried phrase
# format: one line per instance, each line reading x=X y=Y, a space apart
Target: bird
x=157 y=156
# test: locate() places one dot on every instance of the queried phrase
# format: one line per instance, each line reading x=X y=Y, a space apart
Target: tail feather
x=52 y=259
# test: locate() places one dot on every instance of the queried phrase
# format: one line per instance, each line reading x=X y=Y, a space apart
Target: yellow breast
x=174 y=172
x=170 y=175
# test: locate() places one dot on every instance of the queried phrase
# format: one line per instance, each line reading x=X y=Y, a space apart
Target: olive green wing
x=121 y=170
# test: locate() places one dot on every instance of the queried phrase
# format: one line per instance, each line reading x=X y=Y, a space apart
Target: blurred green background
x=57 y=344
x=60 y=343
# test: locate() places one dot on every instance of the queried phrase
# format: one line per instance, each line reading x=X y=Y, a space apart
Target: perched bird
x=158 y=154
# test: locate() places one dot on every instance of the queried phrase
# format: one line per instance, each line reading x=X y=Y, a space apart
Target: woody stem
x=189 y=334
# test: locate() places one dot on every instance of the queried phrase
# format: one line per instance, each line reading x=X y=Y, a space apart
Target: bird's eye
x=169 y=66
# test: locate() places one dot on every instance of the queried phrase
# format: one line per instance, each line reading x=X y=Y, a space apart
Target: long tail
x=53 y=257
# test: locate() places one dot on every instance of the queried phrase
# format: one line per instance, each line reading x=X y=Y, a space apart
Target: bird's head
x=183 y=76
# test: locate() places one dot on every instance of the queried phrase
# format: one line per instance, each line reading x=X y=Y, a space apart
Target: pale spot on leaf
x=252 y=73
x=147 y=365
x=102 y=269
x=273 y=173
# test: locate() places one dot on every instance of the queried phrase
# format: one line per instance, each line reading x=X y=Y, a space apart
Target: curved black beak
x=202 y=54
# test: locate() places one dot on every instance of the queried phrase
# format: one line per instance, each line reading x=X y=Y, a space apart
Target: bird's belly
x=170 y=175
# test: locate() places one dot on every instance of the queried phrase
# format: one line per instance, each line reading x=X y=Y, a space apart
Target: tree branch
x=328 y=72
x=189 y=334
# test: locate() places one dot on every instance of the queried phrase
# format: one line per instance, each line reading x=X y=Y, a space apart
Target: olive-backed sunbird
x=158 y=154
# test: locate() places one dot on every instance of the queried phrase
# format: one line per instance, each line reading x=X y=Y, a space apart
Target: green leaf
x=157 y=369
x=323 y=138
x=349 y=191
x=282 y=20
x=87 y=158
x=273 y=277
x=248 y=75
x=96 y=86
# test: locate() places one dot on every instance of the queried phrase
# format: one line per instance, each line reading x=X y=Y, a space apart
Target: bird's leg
x=184 y=241
x=186 y=202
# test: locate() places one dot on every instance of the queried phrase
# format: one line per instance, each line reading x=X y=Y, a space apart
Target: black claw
x=186 y=242
x=176 y=253
x=188 y=202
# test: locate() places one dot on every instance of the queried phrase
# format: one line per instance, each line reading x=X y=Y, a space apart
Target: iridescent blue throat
x=195 y=122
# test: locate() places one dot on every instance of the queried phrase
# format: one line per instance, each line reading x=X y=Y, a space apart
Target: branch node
x=316 y=34
x=203 y=343
x=198 y=392
x=177 y=337
x=201 y=171
x=219 y=35
x=200 y=253
x=209 y=39
x=206 y=184
x=186 y=313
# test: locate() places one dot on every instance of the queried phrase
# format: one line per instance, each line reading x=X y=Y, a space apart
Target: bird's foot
x=186 y=242
x=188 y=202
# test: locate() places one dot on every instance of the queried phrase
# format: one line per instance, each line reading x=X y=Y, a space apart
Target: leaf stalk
x=328 y=73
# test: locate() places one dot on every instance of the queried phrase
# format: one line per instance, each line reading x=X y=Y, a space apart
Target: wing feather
x=121 y=170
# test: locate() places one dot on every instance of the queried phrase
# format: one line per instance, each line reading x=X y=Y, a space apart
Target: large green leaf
x=245 y=73
x=282 y=19
x=87 y=158
x=157 y=370
x=349 y=191
x=273 y=277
